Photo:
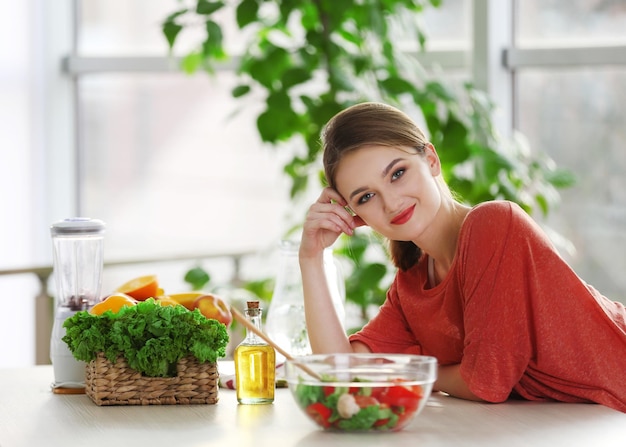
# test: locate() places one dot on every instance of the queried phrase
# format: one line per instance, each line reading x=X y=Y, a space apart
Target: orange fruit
x=187 y=299
x=141 y=288
x=167 y=301
x=113 y=303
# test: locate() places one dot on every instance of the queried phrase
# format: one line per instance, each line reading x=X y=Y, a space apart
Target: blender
x=78 y=263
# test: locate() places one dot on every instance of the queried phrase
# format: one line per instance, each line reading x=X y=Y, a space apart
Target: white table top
x=31 y=415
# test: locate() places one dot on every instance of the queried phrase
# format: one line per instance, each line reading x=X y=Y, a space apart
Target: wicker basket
x=117 y=384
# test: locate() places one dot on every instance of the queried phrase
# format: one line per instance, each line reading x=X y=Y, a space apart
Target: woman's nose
x=391 y=203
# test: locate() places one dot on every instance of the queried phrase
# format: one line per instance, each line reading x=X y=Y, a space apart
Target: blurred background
x=96 y=120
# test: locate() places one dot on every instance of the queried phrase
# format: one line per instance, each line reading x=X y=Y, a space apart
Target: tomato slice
x=400 y=396
x=365 y=401
x=328 y=390
x=381 y=422
x=417 y=389
x=320 y=413
x=354 y=390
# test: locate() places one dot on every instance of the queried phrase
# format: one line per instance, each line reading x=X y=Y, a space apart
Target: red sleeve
x=389 y=331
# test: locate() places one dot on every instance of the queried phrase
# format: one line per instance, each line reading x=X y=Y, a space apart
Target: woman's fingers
x=331 y=201
x=329 y=195
x=331 y=216
x=325 y=220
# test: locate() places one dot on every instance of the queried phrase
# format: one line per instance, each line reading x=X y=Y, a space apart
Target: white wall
x=17 y=169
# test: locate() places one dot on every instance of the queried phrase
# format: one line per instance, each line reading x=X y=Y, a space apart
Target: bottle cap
x=252 y=304
x=77 y=226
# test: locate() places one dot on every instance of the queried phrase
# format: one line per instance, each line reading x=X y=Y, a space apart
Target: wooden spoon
x=243 y=320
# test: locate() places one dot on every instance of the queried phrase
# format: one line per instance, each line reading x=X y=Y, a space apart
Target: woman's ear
x=432 y=158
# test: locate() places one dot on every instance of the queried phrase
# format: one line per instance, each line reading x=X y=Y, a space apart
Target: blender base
x=62 y=390
x=69 y=373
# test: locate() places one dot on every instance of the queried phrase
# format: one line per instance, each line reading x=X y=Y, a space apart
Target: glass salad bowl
x=361 y=392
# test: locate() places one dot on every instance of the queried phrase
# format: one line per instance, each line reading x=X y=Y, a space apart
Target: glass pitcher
x=285 y=323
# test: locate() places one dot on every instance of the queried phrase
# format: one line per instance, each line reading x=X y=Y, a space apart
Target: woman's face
x=394 y=190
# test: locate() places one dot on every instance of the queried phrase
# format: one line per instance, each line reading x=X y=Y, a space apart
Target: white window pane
x=576 y=116
x=170 y=170
x=118 y=27
x=449 y=26
x=567 y=22
x=122 y=27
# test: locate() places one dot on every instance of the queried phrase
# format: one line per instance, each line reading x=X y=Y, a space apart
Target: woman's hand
x=326 y=219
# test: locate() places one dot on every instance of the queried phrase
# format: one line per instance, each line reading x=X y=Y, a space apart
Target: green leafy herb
x=151 y=337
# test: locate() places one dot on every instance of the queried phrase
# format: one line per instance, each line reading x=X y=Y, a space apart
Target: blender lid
x=77 y=225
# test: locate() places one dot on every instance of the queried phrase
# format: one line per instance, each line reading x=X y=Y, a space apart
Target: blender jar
x=78 y=263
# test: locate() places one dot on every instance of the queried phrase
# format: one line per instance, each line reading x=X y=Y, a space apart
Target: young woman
x=482 y=289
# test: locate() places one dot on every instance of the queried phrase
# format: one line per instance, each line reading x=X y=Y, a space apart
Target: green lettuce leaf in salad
x=381 y=408
x=367 y=417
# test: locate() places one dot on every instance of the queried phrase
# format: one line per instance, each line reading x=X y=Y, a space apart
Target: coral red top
x=512 y=313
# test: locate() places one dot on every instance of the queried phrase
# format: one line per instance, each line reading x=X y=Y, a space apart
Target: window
x=575 y=114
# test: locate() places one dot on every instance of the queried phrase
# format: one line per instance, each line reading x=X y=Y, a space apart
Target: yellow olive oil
x=255 y=364
x=255 y=373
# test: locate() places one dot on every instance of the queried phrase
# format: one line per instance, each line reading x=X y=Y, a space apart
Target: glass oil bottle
x=255 y=363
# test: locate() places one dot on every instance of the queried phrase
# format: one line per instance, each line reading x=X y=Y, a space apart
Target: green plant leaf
x=279 y=121
x=363 y=286
x=240 y=90
x=198 y=278
x=453 y=147
x=439 y=90
x=267 y=70
x=395 y=85
x=561 y=178
x=171 y=31
x=212 y=46
x=295 y=76
x=206 y=7
x=247 y=12
x=263 y=288
x=191 y=62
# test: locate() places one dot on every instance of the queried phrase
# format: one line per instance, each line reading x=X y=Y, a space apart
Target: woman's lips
x=404 y=216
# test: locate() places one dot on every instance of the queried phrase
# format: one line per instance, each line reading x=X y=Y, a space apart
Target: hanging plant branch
x=311 y=59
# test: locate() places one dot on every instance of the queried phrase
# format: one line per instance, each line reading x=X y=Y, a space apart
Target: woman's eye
x=397 y=174
x=364 y=198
